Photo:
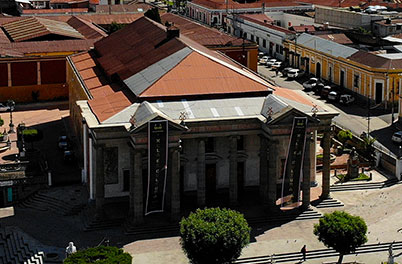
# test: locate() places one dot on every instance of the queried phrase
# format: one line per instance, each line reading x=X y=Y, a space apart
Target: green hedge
x=99 y=255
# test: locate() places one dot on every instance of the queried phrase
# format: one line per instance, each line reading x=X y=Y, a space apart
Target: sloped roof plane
x=34 y=27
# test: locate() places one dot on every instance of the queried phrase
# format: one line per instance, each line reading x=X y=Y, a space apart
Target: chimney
x=172 y=32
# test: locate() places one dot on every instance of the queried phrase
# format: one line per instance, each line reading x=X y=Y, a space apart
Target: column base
x=324 y=196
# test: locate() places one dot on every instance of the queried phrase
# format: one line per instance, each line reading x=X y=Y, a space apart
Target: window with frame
x=251 y=37
x=257 y=39
x=210 y=145
x=240 y=143
x=356 y=80
x=264 y=43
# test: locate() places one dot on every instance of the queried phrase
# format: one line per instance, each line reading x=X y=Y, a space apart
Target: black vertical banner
x=157 y=165
x=292 y=174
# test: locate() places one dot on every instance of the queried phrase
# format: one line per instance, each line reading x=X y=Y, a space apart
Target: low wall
x=24 y=94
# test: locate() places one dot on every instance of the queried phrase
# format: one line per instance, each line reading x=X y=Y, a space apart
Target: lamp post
x=11 y=104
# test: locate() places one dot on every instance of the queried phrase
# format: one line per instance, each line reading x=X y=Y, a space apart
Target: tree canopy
x=342 y=232
x=214 y=235
x=99 y=255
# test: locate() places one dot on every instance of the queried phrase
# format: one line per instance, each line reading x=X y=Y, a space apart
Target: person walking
x=304 y=251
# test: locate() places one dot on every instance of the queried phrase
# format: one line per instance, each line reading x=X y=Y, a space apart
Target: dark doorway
x=342 y=79
x=210 y=183
x=307 y=66
x=318 y=70
x=181 y=182
x=378 y=93
x=126 y=180
x=240 y=179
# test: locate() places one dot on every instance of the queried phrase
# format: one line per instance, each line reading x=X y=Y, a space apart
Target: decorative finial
x=133 y=121
x=314 y=110
x=182 y=117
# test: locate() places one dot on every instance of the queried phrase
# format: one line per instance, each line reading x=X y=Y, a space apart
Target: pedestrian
x=276 y=71
x=304 y=251
x=71 y=249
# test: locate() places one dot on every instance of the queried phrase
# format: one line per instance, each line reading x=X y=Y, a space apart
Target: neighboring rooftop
x=254 y=18
x=35 y=28
x=301 y=29
x=222 y=4
x=123 y=9
x=376 y=61
x=339 y=38
x=206 y=36
x=55 y=11
x=325 y=46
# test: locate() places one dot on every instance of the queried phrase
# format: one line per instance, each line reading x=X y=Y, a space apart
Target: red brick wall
x=23 y=73
x=53 y=71
x=3 y=74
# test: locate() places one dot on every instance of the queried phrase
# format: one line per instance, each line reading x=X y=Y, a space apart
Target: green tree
x=343 y=136
x=31 y=135
x=153 y=14
x=1 y=122
x=99 y=255
x=115 y=27
x=342 y=232
x=214 y=235
x=367 y=147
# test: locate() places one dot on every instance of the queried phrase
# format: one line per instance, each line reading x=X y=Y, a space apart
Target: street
x=352 y=117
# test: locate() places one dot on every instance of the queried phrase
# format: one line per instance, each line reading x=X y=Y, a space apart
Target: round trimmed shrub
x=214 y=235
x=99 y=255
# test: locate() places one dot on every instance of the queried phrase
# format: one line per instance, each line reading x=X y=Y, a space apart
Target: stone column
x=99 y=181
x=264 y=170
x=272 y=173
x=201 y=188
x=313 y=158
x=306 y=174
x=326 y=164
x=175 y=186
x=136 y=189
x=233 y=188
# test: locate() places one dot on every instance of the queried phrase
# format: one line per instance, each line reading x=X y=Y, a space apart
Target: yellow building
x=366 y=75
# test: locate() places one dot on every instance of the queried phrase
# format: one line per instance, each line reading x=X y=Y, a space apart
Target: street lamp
x=11 y=104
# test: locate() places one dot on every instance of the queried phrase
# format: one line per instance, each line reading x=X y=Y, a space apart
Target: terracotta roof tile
x=221 y=4
x=308 y=28
x=106 y=106
x=206 y=36
x=197 y=74
x=55 y=11
x=86 y=28
x=292 y=95
x=339 y=38
x=267 y=24
x=117 y=9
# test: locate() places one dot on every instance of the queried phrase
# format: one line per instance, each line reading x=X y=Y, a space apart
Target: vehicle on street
x=309 y=85
x=64 y=142
x=295 y=73
x=277 y=65
x=286 y=70
x=264 y=59
x=325 y=91
x=346 y=99
x=270 y=62
x=318 y=88
x=5 y=108
x=397 y=137
x=260 y=54
x=333 y=96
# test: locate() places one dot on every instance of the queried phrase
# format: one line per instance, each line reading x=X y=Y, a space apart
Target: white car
x=264 y=59
x=277 y=64
x=346 y=99
x=271 y=62
x=309 y=85
x=332 y=96
x=294 y=73
x=397 y=137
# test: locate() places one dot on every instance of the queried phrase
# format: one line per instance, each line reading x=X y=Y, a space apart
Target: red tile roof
x=349 y=3
x=221 y=4
x=134 y=48
x=134 y=8
x=375 y=61
x=339 y=38
x=67 y=1
x=301 y=29
x=263 y=18
x=86 y=28
x=34 y=27
x=199 y=75
x=55 y=11
x=107 y=19
x=206 y=36
x=267 y=24
x=50 y=46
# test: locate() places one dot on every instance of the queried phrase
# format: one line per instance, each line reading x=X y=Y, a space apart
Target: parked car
x=325 y=91
x=346 y=99
x=277 y=65
x=397 y=137
x=333 y=96
x=64 y=142
x=286 y=70
x=309 y=85
x=270 y=62
x=318 y=88
x=260 y=54
x=5 y=108
x=295 y=73
x=264 y=59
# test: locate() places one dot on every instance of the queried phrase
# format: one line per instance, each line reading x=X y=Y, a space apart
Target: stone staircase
x=362 y=186
x=90 y=223
x=45 y=200
x=173 y=229
x=327 y=203
x=14 y=248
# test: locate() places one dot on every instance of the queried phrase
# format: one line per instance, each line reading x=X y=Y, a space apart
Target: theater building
x=167 y=124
